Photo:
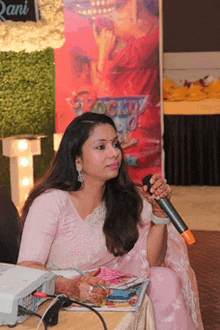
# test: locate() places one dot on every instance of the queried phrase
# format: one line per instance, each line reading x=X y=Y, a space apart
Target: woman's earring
x=79 y=171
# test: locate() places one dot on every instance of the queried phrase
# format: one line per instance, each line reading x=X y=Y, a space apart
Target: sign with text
x=19 y=10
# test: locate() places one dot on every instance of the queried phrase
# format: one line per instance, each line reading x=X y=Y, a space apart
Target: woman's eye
x=101 y=147
x=117 y=144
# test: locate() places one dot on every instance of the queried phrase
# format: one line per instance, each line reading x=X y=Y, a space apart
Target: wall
x=191 y=25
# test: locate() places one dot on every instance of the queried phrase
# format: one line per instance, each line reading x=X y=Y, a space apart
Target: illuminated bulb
x=22 y=145
x=26 y=182
x=24 y=162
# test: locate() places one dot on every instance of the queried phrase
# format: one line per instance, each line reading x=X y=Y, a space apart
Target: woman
x=86 y=212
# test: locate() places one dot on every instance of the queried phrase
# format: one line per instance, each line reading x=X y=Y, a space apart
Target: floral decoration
x=35 y=36
x=204 y=88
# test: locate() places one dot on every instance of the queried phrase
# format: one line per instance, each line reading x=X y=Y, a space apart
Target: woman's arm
x=40 y=228
x=105 y=42
x=157 y=237
x=157 y=244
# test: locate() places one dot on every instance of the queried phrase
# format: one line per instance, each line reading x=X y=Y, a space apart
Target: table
x=83 y=320
x=204 y=107
x=192 y=143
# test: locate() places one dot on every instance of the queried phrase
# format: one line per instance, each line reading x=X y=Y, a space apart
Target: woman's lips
x=114 y=166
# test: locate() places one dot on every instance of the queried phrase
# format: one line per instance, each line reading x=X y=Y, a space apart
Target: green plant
x=27 y=103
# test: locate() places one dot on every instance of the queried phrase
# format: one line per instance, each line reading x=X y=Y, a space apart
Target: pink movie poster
x=110 y=64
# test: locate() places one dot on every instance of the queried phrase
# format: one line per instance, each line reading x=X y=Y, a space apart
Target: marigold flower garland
x=35 y=36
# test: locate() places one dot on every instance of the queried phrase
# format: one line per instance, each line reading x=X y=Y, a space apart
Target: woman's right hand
x=106 y=43
x=83 y=288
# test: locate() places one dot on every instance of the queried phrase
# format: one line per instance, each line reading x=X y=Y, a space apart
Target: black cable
x=22 y=311
x=51 y=316
x=93 y=310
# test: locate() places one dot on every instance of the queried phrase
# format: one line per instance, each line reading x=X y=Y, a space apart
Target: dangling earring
x=79 y=171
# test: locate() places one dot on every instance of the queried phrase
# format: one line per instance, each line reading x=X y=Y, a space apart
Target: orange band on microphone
x=188 y=237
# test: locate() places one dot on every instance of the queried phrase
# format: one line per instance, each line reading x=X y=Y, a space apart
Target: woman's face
x=101 y=157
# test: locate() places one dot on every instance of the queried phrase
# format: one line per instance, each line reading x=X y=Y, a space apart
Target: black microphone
x=171 y=212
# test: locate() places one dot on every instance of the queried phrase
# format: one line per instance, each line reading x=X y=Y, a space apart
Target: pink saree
x=55 y=235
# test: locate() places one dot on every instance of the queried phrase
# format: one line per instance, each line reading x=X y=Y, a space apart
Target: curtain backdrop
x=191 y=144
x=110 y=64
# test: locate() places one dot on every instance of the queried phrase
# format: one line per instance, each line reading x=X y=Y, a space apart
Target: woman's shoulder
x=54 y=198
x=52 y=204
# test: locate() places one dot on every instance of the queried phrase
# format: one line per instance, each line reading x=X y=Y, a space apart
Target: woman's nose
x=114 y=152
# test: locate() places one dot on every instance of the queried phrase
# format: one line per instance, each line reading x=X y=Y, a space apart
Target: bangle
x=159 y=221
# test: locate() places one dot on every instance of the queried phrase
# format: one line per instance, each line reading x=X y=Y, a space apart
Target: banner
x=110 y=64
x=19 y=10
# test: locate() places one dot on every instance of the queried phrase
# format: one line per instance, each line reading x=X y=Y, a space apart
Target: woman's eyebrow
x=104 y=140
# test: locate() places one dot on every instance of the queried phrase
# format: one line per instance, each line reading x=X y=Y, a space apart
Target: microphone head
x=146 y=180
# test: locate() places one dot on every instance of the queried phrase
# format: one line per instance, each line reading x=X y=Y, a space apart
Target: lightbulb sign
x=19 y=10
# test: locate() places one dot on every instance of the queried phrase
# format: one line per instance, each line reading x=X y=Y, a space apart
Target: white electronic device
x=17 y=284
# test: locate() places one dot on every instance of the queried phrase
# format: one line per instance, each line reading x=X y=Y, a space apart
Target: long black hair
x=122 y=199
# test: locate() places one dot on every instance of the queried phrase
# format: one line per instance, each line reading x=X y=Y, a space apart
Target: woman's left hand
x=159 y=190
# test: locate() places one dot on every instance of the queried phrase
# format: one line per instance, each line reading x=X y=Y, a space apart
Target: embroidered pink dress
x=55 y=235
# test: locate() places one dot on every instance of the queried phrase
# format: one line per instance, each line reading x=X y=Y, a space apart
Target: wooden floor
x=204 y=257
x=198 y=206
x=200 y=209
